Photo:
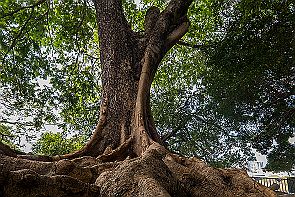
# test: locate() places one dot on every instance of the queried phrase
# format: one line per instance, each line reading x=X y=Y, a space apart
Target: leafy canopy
x=227 y=87
x=49 y=66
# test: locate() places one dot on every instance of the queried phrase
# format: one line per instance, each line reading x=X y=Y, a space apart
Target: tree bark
x=155 y=173
x=129 y=63
x=125 y=156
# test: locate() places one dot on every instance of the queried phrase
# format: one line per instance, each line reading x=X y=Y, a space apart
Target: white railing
x=286 y=185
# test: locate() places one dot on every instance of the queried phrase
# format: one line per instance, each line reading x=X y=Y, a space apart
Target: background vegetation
x=226 y=88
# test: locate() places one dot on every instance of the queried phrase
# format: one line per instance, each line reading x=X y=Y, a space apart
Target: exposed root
x=156 y=173
x=118 y=154
x=29 y=183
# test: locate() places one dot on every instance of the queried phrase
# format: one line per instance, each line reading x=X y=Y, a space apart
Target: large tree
x=125 y=155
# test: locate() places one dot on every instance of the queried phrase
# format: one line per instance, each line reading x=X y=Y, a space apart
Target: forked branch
x=162 y=32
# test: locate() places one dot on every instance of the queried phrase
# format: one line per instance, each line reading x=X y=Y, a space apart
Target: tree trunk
x=129 y=62
x=125 y=156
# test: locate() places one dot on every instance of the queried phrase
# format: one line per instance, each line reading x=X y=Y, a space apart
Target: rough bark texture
x=156 y=173
x=124 y=156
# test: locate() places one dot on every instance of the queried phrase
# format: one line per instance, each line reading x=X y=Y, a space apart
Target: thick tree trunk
x=124 y=156
x=129 y=63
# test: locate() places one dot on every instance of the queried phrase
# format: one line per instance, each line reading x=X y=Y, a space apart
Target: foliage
x=281 y=158
x=49 y=73
x=57 y=144
x=7 y=137
x=250 y=76
x=230 y=88
x=184 y=117
x=182 y=107
x=234 y=90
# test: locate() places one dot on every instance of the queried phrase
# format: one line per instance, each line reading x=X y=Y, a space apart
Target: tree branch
x=173 y=132
x=19 y=34
x=6 y=135
x=22 y=8
x=151 y=17
x=170 y=26
x=14 y=123
x=176 y=34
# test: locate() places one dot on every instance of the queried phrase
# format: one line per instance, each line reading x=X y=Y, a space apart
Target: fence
x=286 y=185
